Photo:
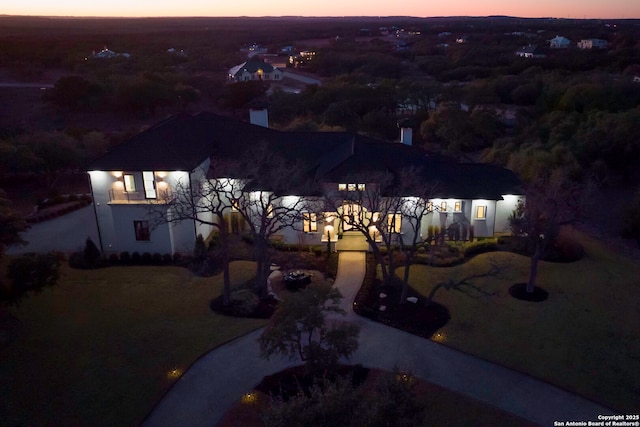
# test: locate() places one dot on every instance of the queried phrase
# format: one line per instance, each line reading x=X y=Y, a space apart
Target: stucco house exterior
x=530 y=51
x=559 y=42
x=592 y=44
x=253 y=70
x=182 y=148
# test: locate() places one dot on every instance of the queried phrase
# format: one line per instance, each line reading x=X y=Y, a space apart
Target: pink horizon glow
x=612 y=9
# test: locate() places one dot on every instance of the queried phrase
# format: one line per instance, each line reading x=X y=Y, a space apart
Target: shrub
x=200 y=248
x=479 y=247
x=177 y=258
x=125 y=257
x=136 y=259
x=113 y=259
x=91 y=253
x=146 y=258
x=31 y=272
x=430 y=232
x=76 y=260
x=505 y=240
x=156 y=259
x=243 y=302
x=167 y=259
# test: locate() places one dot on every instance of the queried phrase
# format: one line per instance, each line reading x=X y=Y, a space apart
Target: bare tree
x=551 y=202
x=260 y=189
x=270 y=199
x=367 y=206
x=414 y=208
x=206 y=203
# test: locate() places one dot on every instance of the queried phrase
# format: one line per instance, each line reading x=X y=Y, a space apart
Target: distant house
x=106 y=53
x=530 y=51
x=254 y=49
x=253 y=70
x=636 y=79
x=592 y=44
x=559 y=42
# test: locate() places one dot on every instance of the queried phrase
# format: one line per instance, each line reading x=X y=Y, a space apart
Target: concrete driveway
x=66 y=233
x=219 y=378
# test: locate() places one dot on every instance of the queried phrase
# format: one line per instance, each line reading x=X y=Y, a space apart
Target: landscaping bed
x=442 y=407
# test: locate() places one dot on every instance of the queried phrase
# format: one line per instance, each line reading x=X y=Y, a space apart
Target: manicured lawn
x=585 y=337
x=98 y=349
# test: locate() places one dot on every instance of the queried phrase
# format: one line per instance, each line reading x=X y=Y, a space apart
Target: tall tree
x=369 y=205
x=551 y=202
x=263 y=194
x=208 y=203
x=299 y=328
x=414 y=207
x=268 y=195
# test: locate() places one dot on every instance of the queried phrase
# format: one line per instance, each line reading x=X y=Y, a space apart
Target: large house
x=559 y=42
x=181 y=149
x=592 y=44
x=253 y=70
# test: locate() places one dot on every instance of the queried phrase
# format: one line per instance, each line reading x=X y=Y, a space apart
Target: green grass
x=97 y=349
x=585 y=337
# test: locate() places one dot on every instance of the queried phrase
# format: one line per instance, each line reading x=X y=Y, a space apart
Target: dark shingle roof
x=184 y=141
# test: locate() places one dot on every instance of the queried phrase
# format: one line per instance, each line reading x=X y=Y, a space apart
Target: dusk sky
x=419 y=8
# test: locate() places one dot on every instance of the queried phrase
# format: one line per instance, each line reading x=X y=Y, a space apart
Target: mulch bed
x=519 y=291
x=422 y=318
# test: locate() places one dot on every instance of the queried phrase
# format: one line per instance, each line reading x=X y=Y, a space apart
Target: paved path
x=66 y=233
x=219 y=378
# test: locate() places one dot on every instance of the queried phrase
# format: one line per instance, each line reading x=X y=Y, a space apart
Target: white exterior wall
x=504 y=208
x=483 y=227
x=116 y=218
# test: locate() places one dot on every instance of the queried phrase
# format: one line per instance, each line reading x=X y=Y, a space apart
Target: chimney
x=406 y=135
x=406 y=131
x=259 y=117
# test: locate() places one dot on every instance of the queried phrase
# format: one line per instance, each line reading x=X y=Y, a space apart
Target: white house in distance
x=530 y=51
x=559 y=42
x=592 y=44
x=253 y=70
x=179 y=149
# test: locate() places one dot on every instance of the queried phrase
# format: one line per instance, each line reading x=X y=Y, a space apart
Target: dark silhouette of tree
x=631 y=217
x=551 y=202
x=76 y=93
x=11 y=225
x=299 y=328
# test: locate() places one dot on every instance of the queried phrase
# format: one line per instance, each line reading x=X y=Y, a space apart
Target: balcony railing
x=133 y=197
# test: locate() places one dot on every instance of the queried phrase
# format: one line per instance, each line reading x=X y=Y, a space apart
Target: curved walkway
x=222 y=376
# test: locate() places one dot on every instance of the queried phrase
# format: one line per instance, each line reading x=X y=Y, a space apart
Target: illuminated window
x=270 y=211
x=394 y=223
x=430 y=207
x=235 y=206
x=329 y=217
x=351 y=187
x=149 y=183
x=142 y=230
x=457 y=207
x=342 y=187
x=360 y=187
x=129 y=183
x=309 y=222
x=481 y=212
x=443 y=207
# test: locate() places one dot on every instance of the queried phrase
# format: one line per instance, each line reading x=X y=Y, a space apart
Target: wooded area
x=458 y=79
